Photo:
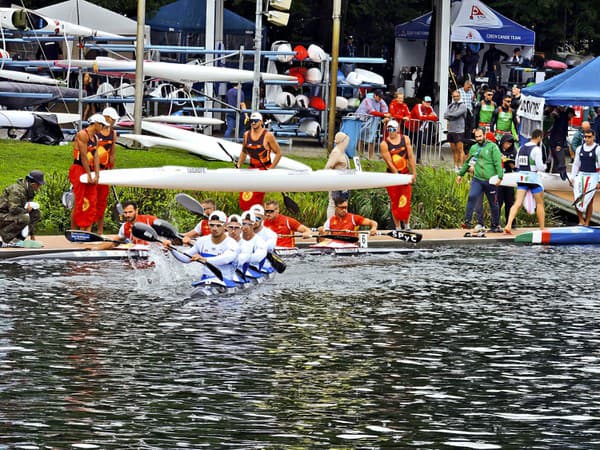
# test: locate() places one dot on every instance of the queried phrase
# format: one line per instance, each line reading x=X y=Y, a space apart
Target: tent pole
x=335 y=47
x=139 y=67
x=257 y=50
x=443 y=59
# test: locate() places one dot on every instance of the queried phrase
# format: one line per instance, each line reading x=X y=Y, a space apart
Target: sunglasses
x=254 y=120
x=392 y=129
x=234 y=227
x=342 y=207
x=269 y=211
x=217 y=225
x=247 y=224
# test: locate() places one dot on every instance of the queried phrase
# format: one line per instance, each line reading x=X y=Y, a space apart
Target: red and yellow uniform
x=283 y=225
x=399 y=195
x=345 y=225
x=106 y=151
x=84 y=209
x=260 y=158
x=126 y=228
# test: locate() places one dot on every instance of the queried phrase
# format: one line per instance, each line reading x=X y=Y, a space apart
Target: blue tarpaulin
x=576 y=86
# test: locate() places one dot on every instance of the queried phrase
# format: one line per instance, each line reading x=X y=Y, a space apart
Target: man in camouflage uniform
x=16 y=208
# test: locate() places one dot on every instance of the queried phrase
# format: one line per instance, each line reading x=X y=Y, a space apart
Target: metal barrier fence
x=366 y=133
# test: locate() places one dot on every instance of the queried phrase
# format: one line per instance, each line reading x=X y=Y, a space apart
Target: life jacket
x=399 y=154
x=128 y=226
x=588 y=159
x=106 y=145
x=259 y=155
x=92 y=145
x=524 y=162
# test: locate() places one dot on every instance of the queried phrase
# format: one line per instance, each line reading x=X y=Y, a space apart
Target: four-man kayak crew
x=529 y=162
x=585 y=177
x=86 y=162
x=258 y=144
x=18 y=212
x=398 y=155
x=488 y=162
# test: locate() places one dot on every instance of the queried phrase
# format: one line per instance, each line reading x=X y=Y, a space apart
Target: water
x=491 y=348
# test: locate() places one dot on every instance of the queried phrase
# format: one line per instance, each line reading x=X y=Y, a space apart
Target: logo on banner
x=476 y=13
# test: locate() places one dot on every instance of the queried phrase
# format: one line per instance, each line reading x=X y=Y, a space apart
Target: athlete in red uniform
x=131 y=216
x=86 y=161
x=284 y=226
x=345 y=223
x=202 y=228
x=107 y=139
x=397 y=153
x=258 y=144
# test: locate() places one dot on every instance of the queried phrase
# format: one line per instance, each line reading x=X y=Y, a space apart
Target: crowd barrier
x=365 y=130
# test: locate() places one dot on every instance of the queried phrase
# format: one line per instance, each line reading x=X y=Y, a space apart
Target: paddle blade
x=407 y=236
x=290 y=204
x=83 y=236
x=278 y=264
x=340 y=237
x=144 y=232
x=165 y=229
x=190 y=203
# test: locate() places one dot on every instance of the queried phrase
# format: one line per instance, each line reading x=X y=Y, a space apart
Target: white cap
x=257 y=209
x=98 y=118
x=111 y=112
x=393 y=123
x=427 y=99
x=234 y=218
x=248 y=215
x=256 y=115
x=217 y=216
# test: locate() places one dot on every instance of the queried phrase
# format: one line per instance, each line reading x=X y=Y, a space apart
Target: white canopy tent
x=90 y=15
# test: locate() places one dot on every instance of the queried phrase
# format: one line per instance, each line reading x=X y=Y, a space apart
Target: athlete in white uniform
x=584 y=177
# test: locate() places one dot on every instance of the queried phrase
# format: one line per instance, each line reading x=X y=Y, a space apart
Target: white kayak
x=190 y=120
x=549 y=181
x=30 y=78
x=183 y=73
x=26 y=19
x=207 y=146
x=240 y=180
x=25 y=119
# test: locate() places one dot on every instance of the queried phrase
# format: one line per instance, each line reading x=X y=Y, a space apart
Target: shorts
x=534 y=188
x=369 y=129
x=454 y=138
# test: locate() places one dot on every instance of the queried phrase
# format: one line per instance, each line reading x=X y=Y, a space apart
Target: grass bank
x=438 y=202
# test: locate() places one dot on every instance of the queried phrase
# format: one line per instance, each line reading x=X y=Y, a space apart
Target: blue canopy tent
x=472 y=22
x=576 y=86
x=184 y=23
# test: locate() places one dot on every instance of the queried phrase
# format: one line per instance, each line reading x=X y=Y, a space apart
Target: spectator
x=455 y=115
x=371 y=111
x=422 y=117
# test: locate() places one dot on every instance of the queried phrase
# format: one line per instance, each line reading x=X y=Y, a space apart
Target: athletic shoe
x=465 y=226
x=479 y=227
x=496 y=230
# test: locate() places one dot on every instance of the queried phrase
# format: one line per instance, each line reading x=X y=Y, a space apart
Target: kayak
x=69 y=254
x=205 y=146
x=26 y=119
x=576 y=235
x=213 y=287
x=549 y=181
x=240 y=180
x=182 y=73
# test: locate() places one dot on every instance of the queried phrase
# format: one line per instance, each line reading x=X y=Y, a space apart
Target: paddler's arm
x=370 y=223
x=306 y=233
x=385 y=154
x=96 y=167
x=274 y=147
x=243 y=152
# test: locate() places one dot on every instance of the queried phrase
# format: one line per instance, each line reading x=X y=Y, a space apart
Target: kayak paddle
x=81 y=236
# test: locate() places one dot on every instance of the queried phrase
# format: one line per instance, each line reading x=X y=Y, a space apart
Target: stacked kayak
x=561 y=236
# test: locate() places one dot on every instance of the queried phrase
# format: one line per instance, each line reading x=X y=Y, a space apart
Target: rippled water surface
x=492 y=348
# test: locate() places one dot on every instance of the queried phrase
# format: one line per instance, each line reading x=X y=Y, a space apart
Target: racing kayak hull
x=578 y=235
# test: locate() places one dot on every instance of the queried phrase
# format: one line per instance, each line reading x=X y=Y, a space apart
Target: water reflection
x=459 y=348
